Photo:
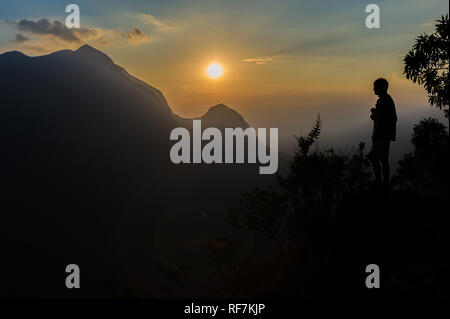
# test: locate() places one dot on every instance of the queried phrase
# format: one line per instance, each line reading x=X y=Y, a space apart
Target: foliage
x=426 y=167
x=309 y=195
x=327 y=215
x=427 y=63
x=305 y=142
x=262 y=210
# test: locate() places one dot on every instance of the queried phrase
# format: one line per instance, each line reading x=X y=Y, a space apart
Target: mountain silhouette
x=88 y=178
x=220 y=116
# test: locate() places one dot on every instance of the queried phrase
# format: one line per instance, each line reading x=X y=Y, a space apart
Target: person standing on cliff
x=384 y=119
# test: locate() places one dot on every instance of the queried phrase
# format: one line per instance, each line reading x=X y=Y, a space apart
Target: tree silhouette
x=425 y=169
x=298 y=214
x=326 y=217
x=305 y=142
x=427 y=64
x=262 y=210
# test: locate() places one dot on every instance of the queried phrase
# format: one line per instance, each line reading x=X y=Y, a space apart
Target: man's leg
x=385 y=165
x=375 y=159
x=385 y=162
x=377 y=170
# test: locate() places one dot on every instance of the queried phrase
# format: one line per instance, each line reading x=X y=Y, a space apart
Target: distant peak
x=220 y=108
x=86 y=48
x=13 y=53
x=222 y=114
x=87 y=51
x=221 y=105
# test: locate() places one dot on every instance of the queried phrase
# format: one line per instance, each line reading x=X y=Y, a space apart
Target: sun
x=214 y=70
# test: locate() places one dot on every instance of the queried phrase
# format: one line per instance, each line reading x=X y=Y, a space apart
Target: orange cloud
x=137 y=36
x=259 y=60
x=162 y=25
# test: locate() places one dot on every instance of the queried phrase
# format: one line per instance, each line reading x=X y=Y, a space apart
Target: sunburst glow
x=214 y=70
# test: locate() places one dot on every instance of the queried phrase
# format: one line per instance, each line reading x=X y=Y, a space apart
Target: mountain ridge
x=88 y=177
x=219 y=115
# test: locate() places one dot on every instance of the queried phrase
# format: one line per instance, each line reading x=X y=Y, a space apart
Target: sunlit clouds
x=136 y=36
x=259 y=60
x=162 y=25
x=44 y=35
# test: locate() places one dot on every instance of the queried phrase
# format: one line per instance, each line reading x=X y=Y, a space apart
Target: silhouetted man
x=384 y=119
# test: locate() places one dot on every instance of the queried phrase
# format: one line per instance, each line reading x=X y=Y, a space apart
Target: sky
x=284 y=61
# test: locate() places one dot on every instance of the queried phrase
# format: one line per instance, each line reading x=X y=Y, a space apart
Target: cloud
x=259 y=60
x=20 y=38
x=162 y=25
x=57 y=29
x=46 y=27
x=137 y=36
x=36 y=49
x=55 y=35
x=86 y=34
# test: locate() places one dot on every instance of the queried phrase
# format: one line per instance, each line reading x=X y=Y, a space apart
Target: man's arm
x=372 y=113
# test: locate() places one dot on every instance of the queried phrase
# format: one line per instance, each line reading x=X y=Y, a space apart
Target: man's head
x=380 y=86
